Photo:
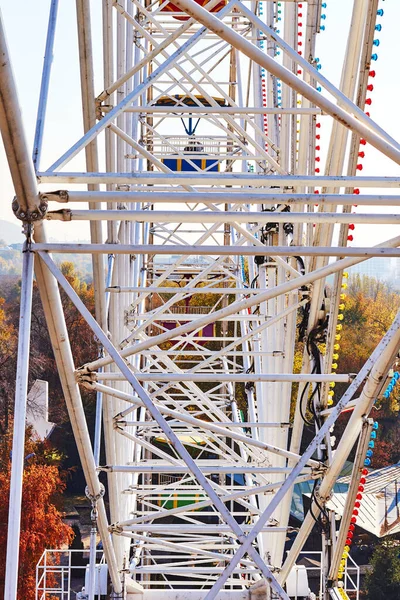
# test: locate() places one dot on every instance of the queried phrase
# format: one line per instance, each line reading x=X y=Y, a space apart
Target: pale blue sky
x=26 y=26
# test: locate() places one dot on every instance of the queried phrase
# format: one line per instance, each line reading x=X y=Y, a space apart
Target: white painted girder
x=196 y=358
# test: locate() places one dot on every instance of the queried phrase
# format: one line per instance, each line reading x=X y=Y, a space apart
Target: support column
x=17 y=464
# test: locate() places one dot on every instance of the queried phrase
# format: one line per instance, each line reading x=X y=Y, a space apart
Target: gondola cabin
x=172 y=8
x=195 y=153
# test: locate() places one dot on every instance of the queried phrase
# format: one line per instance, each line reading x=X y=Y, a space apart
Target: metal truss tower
x=210 y=259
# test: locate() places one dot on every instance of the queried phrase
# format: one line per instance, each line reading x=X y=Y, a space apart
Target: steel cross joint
x=318 y=472
x=29 y=216
x=115 y=528
x=85 y=377
x=325 y=498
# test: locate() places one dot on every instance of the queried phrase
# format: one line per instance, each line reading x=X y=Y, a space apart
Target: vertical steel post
x=44 y=86
x=17 y=463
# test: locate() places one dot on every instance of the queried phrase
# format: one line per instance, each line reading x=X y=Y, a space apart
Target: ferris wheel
x=198 y=171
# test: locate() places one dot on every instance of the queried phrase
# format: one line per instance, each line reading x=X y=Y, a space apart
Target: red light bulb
x=356 y=191
x=368 y=101
x=359 y=167
x=352 y=227
x=372 y=73
x=370 y=87
x=350 y=238
x=361 y=154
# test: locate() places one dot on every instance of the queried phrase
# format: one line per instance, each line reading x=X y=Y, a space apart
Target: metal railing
x=60 y=574
x=351 y=579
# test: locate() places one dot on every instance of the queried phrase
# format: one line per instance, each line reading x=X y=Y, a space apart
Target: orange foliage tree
x=371 y=306
x=41 y=521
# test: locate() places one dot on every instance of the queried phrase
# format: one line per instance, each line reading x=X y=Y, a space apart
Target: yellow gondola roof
x=185 y=439
x=187 y=101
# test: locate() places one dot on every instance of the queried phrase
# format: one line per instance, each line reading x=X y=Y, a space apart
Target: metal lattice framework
x=209 y=265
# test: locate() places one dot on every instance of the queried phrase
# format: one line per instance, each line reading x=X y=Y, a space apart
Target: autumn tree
x=41 y=520
x=371 y=306
x=42 y=363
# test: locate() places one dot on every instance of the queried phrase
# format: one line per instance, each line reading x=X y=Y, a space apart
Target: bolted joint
x=322 y=499
x=29 y=216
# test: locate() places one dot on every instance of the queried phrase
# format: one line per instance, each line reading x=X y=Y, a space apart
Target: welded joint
x=318 y=472
x=104 y=469
x=30 y=215
x=119 y=422
x=63 y=214
x=85 y=377
x=115 y=528
x=56 y=196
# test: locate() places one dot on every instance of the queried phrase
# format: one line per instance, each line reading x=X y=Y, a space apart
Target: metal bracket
x=94 y=498
x=30 y=216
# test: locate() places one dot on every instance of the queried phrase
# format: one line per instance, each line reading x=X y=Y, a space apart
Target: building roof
x=379 y=512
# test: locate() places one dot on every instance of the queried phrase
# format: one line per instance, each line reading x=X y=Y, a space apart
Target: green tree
x=383 y=581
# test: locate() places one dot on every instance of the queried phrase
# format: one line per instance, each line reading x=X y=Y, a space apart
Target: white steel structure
x=209 y=264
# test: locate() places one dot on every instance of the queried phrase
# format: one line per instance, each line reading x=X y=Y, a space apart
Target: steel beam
x=18 y=447
x=363 y=253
